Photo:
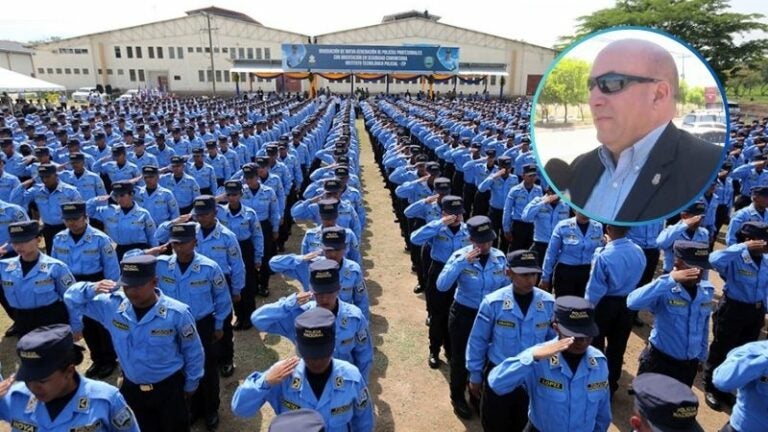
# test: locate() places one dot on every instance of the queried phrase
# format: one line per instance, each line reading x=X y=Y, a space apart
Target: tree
x=566 y=84
x=708 y=25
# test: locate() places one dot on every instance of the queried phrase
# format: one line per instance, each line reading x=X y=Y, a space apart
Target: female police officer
x=53 y=396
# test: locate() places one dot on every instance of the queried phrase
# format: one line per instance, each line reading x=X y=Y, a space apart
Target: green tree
x=695 y=96
x=708 y=25
x=566 y=84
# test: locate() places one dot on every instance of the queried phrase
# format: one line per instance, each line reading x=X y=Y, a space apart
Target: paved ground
x=408 y=395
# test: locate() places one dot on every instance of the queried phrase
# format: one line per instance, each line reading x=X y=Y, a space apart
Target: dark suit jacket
x=679 y=168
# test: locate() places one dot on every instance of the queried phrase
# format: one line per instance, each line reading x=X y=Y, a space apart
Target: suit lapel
x=582 y=181
x=656 y=171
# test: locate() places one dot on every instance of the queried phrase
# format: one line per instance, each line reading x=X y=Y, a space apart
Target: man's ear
x=662 y=92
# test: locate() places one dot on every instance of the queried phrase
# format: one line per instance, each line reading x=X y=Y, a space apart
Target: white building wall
x=183 y=74
x=17 y=62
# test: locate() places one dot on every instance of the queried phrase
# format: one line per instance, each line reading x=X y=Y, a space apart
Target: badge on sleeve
x=592 y=362
x=362 y=401
x=123 y=419
x=188 y=331
x=67 y=280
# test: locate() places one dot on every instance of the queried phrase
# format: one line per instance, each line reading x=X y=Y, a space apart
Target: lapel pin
x=656 y=179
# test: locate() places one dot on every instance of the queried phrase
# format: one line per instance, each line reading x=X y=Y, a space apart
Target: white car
x=691 y=119
x=127 y=96
x=713 y=132
x=81 y=94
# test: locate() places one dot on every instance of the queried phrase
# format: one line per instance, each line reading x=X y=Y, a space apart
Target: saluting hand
x=448 y=219
x=6 y=384
x=472 y=255
x=549 y=349
x=105 y=286
x=755 y=245
x=183 y=218
x=312 y=255
x=431 y=199
x=691 y=221
x=281 y=370
x=687 y=275
x=303 y=297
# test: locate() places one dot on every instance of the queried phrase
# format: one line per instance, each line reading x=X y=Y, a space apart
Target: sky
x=539 y=22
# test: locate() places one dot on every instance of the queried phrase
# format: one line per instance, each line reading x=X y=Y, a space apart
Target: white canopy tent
x=11 y=81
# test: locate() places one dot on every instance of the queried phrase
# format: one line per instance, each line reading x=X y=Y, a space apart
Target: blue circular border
x=534 y=103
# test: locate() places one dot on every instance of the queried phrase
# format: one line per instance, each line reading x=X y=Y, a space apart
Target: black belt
x=756 y=305
x=151 y=386
x=669 y=358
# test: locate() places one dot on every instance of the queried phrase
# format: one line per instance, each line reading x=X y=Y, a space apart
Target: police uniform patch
x=43 y=267
x=550 y=383
x=219 y=281
x=233 y=252
x=167 y=279
x=362 y=336
x=343 y=321
x=339 y=383
x=540 y=305
x=67 y=280
x=507 y=304
x=542 y=325
x=12 y=265
x=162 y=311
x=93 y=427
x=31 y=405
x=109 y=249
x=592 y=361
x=120 y=325
x=600 y=385
x=677 y=303
x=196 y=267
x=83 y=403
x=188 y=331
x=341 y=410
x=161 y=332
x=123 y=420
x=506 y=323
x=290 y=405
x=554 y=360
x=362 y=401
x=22 y=426
x=296 y=383
x=361 y=287
x=123 y=306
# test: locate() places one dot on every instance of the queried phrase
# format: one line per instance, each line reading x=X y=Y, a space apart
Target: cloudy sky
x=539 y=21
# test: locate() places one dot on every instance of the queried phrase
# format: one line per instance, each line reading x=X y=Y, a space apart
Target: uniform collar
x=299 y=383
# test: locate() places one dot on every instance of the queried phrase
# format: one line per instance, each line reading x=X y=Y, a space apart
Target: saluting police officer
x=745 y=370
x=198 y=282
x=91 y=257
x=157 y=200
x=155 y=338
x=317 y=380
x=681 y=303
x=740 y=315
x=353 y=343
x=33 y=282
x=663 y=403
x=183 y=185
x=477 y=270
x=509 y=320
x=50 y=395
x=567 y=379
x=263 y=199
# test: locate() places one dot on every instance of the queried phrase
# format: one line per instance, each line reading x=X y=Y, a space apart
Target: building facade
x=16 y=57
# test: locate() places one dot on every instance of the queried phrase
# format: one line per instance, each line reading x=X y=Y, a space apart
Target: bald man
x=646 y=168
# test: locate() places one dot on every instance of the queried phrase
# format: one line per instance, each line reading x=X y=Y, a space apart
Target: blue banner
x=370 y=58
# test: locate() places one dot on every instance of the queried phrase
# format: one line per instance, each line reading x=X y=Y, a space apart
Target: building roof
x=410 y=14
x=214 y=10
x=14 y=47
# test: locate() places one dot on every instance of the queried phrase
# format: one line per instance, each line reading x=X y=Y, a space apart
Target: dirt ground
x=408 y=395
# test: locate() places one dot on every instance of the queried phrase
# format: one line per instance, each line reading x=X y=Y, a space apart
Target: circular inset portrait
x=630 y=125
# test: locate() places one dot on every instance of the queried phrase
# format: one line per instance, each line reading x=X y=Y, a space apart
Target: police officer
x=517 y=232
x=498 y=183
x=443 y=236
x=263 y=199
x=51 y=395
x=616 y=269
x=117 y=169
x=681 y=303
x=755 y=212
x=477 y=270
x=244 y=223
x=317 y=380
x=567 y=262
x=690 y=227
x=544 y=212
x=157 y=200
x=740 y=314
x=90 y=256
x=353 y=343
x=48 y=196
x=202 y=172
x=509 y=320
x=329 y=212
x=567 y=375
x=127 y=223
x=663 y=403
x=87 y=183
x=221 y=166
x=33 y=282
x=199 y=283
x=183 y=186
x=9 y=213
x=744 y=370
x=304 y=419
x=160 y=352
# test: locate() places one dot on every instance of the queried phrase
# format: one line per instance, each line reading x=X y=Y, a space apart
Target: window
x=159 y=52
x=215 y=50
x=98 y=71
x=241 y=53
x=226 y=76
x=171 y=52
x=225 y=50
x=209 y=75
x=49 y=70
x=85 y=71
x=120 y=72
x=141 y=75
x=242 y=77
x=180 y=52
x=493 y=80
x=258 y=53
x=201 y=75
x=138 y=52
x=260 y=79
x=76 y=71
x=67 y=71
x=109 y=71
x=232 y=54
x=267 y=54
x=40 y=70
x=190 y=50
x=118 y=54
x=207 y=50
x=250 y=53
x=129 y=52
x=58 y=71
x=218 y=76
x=177 y=77
x=151 y=52
x=132 y=74
x=199 y=49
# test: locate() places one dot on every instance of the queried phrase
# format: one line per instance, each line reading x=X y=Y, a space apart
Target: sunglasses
x=613 y=82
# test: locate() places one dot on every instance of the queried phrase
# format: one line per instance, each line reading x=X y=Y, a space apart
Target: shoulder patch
x=124 y=419
x=362 y=401
x=83 y=403
x=339 y=382
x=188 y=331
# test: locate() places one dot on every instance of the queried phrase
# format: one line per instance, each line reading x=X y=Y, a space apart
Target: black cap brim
x=310 y=351
x=579 y=331
x=703 y=264
x=129 y=282
x=525 y=270
x=325 y=288
x=23 y=238
x=29 y=372
x=180 y=239
x=695 y=427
